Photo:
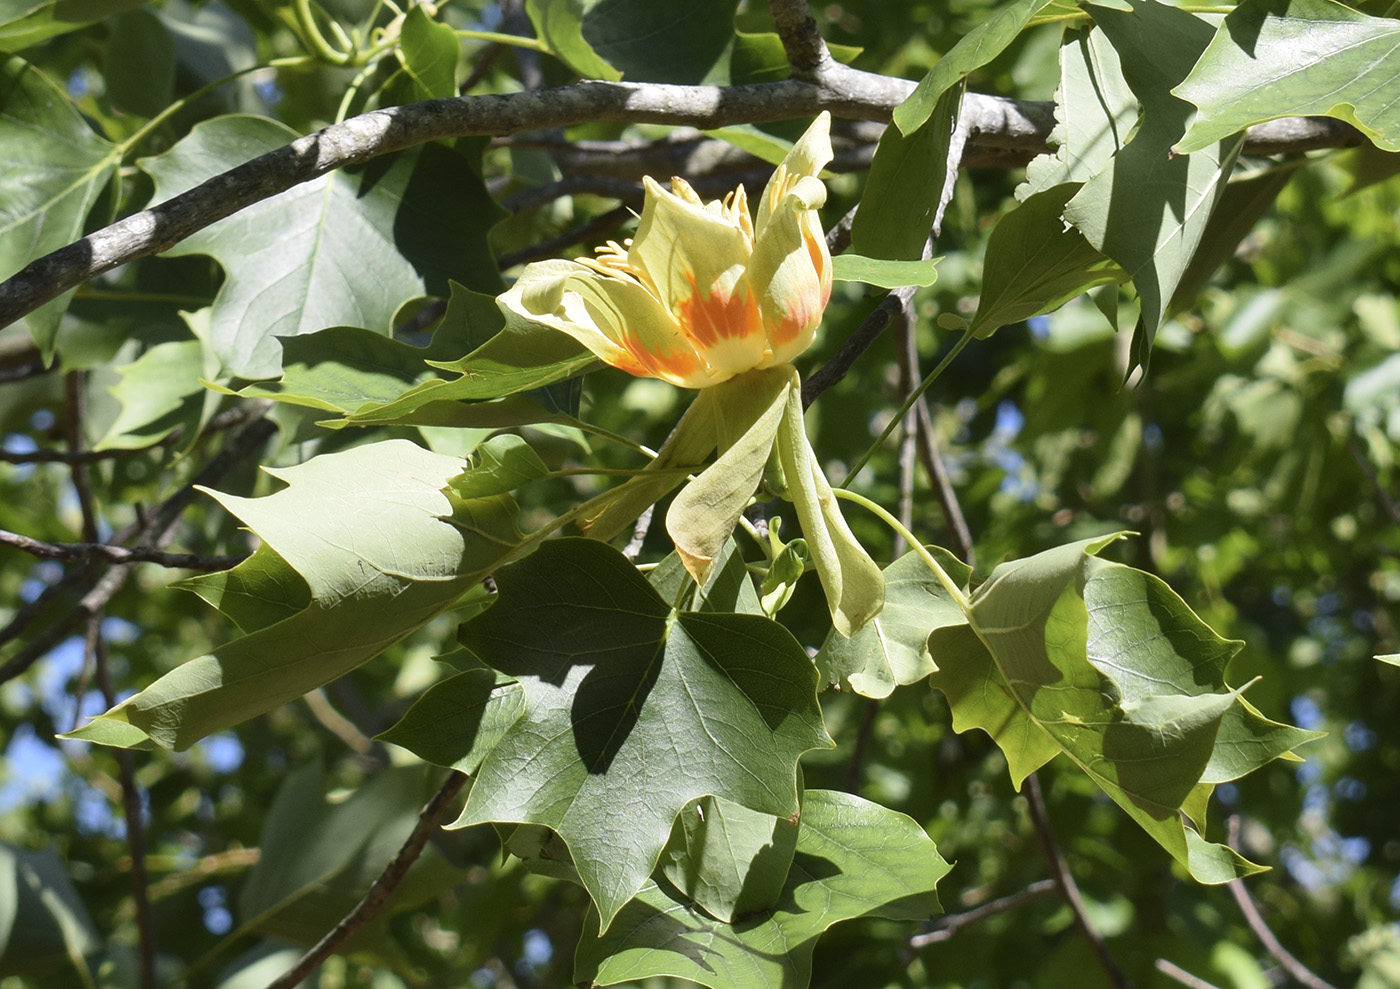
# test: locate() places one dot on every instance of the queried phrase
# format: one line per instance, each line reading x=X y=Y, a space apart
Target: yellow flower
x=702 y=292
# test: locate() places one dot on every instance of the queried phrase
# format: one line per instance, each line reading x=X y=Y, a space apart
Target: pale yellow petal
x=696 y=259
x=791 y=275
x=540 y=295
x=806 y=159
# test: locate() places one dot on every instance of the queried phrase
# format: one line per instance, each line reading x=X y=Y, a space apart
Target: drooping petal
x=540 y=295
x=695 y=259
x=638 y=323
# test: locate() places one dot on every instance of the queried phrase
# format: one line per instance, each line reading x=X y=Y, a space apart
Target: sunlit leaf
x=349 y=248
x=891 y=651
x=459 y=720
x=633 y=713
x=53 y=168
x=853 y=858
x=1068 y=653
x=1148 y=208
x=381 y=549
x=732 y=861
x=1285 y=58
x=885 y=274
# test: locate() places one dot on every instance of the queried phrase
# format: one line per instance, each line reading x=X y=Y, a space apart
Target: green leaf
x=559 y=24
x=428 y=53
x=1068 y=653
x=43 y=923
x=500 y=465
x=885 y=274
x=350 y=248
x=1035 y=264
x=160 y=392
x=910 y=183
x=732 y=861
x=55 y=168
x=729 y=588
x=520 y=357
x=1096 y=110
x=892 y=650
x=1254 y=71
x=974 y=50
x=1392 y=658
x=260 y=591
x=853 y=858
x=25 y=23
x=458 y=721
x=318 y=857
x=1148 y=208
x=633 y=713
x=660 y=42
x=380 y=547
x=140 y=64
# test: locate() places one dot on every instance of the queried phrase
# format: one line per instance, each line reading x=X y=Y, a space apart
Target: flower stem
x=914 y=396
x=954 y=591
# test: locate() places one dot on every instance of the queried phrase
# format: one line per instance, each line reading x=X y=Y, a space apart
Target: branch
x=990 y=122
x=1299 y=972
x=1040 y=816
x=1181 y=975
x=73 y=552
x=856 y=344
x=950 y=925
x=380 y=890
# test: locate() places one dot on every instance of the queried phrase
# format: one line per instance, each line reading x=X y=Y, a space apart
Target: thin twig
x=1299 y=972
x=72 y=552
x=857 y=763
x=946 y=927
x=932 y=458
x=633 y=549
x=1181 y=975
x=1059 y=868
x=380 y=890
x=1391 y=506
x=95 y=659
x=80 y=457
x=856 y=344
x=598 y=227
x=907 y=355
x=156 y=529
x=131 y=809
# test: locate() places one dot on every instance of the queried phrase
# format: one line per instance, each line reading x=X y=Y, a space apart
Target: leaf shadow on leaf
x=596 y=698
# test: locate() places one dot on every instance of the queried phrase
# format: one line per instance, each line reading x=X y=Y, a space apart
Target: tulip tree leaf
x=632 y=712
x=885 y=274
x=732 y=861
x=380 y=549
x=44 y=925
x=660 y=42
x=1251 y=71
x=1095 y=110
x=891 y=650
x=975 y=49
x=459 y=720
x=1392 y=658
x=559 y=24
x=55 y=168
x=1068 y=653
x=506 y=361
x=1148 y=208
x=349 y=248
x=1035 y=264
x=910 y=184
x=853 y=858
x=160 y=392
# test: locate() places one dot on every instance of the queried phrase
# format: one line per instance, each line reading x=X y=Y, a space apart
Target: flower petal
x=540 y=295
x=791 y=273
x=695 y=259
x=807 y=158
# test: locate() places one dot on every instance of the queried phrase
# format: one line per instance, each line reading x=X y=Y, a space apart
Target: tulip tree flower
x=706 y=297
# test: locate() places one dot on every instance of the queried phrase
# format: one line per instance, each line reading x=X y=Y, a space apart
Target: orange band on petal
x=709 y=319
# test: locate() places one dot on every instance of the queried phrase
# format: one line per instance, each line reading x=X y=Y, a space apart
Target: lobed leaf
x=891 y=651
x=1284 y=58
x=1064 y=652
x=380 y=548
x=1148 y=208
x=632 y=712
x=853 y=858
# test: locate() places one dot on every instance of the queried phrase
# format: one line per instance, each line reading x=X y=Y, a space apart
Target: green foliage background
x=1255 y=459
